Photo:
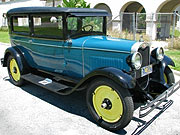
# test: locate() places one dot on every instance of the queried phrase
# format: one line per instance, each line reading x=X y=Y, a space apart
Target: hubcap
x=14 y=70
x=107 y=104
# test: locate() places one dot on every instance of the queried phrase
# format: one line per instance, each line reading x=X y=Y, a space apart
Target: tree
x=75 y=4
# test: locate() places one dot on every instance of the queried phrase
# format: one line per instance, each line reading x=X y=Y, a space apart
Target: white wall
x=116 y=6
x=4 y=7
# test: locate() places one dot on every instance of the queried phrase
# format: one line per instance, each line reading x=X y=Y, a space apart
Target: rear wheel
x=109 y=104
x=14 y=71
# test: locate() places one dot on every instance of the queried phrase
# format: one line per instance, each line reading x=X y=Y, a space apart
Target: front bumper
x=150 y=106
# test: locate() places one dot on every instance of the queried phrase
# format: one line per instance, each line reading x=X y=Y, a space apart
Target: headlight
x=160 y=53
x=136 y=60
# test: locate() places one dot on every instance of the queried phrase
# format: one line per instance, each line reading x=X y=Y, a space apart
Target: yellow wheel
x=109 y=104
x=14 y=71
x=165 y=78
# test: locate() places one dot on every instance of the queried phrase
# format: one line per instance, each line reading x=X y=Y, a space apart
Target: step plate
x=44 y=82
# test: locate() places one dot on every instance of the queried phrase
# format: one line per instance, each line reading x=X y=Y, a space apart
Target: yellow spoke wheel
x=14 y=70
x=107 y=104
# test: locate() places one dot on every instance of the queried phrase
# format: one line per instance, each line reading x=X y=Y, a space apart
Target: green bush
x=3 y=28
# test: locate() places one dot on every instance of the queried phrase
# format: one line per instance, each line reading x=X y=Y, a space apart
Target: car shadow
x=75 y=103
x=143 y=125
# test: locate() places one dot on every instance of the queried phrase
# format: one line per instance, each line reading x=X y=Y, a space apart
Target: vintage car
x=67 y=49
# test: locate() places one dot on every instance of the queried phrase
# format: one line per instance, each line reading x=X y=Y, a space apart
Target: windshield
x=81 y=26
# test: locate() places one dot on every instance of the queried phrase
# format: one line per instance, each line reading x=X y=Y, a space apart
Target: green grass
x=175 y=56
x=177 y=33
x=4 y=37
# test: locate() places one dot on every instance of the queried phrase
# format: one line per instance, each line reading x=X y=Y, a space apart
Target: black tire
x=14 y=71
x=125 y=98
x=170 y=80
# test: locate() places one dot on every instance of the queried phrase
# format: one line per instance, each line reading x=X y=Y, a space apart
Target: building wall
x=150 y=7
x=5 y=6
x=114 y=7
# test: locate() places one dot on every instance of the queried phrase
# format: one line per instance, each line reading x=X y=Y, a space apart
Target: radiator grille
x=145 y=60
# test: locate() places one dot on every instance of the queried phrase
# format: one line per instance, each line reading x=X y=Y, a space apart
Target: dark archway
x=168 y=6
x=165 y=18
x=129 y=12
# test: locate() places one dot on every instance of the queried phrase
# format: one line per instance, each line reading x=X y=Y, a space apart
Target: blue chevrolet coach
x=66 y=50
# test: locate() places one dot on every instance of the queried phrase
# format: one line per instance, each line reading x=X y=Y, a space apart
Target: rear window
x=48 y=26
x=21 y=24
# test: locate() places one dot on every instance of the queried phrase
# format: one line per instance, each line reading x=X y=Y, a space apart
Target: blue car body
x=81 y=57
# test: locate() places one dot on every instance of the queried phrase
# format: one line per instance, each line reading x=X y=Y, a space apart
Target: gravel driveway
x=31 y=110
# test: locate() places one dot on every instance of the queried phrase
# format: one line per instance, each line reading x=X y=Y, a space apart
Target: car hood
x=104 y=43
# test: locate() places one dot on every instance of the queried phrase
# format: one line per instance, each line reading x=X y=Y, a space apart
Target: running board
x=45 y=83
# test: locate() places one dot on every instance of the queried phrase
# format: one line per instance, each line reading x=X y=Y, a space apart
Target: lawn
x=175 y=56
x=4 y=37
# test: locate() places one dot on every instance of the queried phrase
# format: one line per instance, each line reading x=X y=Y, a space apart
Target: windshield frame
x=85 y=33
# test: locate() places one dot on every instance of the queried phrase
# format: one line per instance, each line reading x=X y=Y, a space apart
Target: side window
x=48 y=26
x=72 y=23
x=21 y=24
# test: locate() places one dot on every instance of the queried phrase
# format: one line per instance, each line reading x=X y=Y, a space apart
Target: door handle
x=69 y=42
x=30 y=41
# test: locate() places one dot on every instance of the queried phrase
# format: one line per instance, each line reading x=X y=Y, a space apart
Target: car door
x=46 y=45
x=73 y=51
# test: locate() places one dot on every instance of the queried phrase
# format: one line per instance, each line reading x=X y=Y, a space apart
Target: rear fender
x=16 y=53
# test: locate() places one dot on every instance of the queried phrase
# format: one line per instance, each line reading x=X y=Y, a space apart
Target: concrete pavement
x=31 y=110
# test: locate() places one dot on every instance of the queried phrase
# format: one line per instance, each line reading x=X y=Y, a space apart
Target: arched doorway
x=168 y=6
x=130 y=14
x=166 y=20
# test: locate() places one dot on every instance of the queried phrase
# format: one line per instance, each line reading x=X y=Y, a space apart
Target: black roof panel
x=71 y=11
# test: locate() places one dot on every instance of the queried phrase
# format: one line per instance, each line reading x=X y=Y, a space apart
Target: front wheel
x=109 y=104
x=14 y=71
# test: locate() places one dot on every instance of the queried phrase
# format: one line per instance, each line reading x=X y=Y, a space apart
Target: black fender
x=167 y=61
x=17 y=54
x=123 y=79
x=164 y=63
x=158 y=76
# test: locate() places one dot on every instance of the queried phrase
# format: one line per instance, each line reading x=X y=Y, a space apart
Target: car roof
x=70 y=11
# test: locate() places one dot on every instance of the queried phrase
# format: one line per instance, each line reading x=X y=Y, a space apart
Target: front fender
x=164 y=63
x=16 y=53
x=158 y=75
x=167 y=61
x=120 y=77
